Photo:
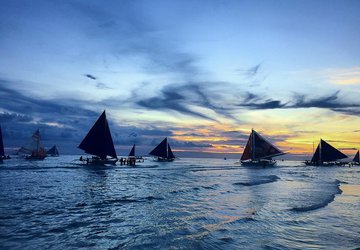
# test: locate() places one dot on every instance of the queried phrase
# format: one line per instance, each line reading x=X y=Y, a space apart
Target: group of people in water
x=130 y=161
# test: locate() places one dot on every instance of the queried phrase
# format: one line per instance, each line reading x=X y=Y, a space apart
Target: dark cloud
x=268 y=104
x=189 y=144
x=332 y=102
x=90 y=76
x=11 y=117
x=250 y=72
x=179 y=97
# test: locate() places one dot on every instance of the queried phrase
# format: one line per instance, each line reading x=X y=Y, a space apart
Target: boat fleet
x=99 y=144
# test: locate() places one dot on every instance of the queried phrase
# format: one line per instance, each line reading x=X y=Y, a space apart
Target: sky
x=203 y=73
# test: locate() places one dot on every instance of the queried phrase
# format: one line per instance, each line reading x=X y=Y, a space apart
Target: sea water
x=186 y=204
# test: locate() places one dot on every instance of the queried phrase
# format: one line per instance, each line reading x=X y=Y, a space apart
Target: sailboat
x=34 y=149
x=132 y=152
x=163 y=152
x=53 y=151
x=325 y=154
x=356 y=160
x=259 y=151
x=99 y=143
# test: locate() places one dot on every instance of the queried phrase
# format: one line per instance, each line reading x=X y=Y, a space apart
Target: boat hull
x=35 y=158
x=258 y=163
x=325 y=164
x=160 y=159
x=98 y=161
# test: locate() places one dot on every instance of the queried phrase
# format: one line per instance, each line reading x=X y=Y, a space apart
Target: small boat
x=326 y=155
x=163 y=152
x=356 y=160
x=53 y=152
x=99 y=143
x=34 y=149
x=259 y=151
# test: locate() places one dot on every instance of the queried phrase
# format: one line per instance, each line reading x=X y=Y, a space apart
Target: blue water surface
x=186 y=204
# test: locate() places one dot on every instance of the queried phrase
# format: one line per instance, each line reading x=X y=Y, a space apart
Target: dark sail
x=316 y=156
x=99 y=141
x=247 y=154
x=170 y=153
x=356 y=157
x=132 y=152
x=160 y=150
x=263 y=148
x=53 y=151
x=2 y=152
x=326 y=153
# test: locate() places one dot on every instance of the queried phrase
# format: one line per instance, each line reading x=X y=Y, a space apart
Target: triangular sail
x=356 y=157
x=160 y=150
x=329 y=153
x=98 y=141
x=2 y=152
x=326 y=153
x=170 y=153
x=263 y=148
x=132 y=152
x=247 y=154
x=316 y=156
x=53 y=151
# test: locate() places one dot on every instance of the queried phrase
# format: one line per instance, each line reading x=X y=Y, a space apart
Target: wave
x=322 y=203
x=260 y=181
x=128 y=199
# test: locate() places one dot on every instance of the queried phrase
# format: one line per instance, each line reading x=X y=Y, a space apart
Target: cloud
x=252 y=71
x=268 y=104
x=179 y=98
x=100 y=85
x=332 y=102
x=344 y=76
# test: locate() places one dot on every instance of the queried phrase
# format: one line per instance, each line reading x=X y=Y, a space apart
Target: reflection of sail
x=2 y=152
x=163 y=151
x=326 y=153
x=258 y=148
x=53 y=151
x=34 y=148
x=98 y=141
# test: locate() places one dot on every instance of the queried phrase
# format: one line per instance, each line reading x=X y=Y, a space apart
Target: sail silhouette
x=356 y=157
x=132 y=152
x=163 y=151
x=2 y=151
x=53 y=151
x=258 y=148
x=326 y=153
x=98 y=141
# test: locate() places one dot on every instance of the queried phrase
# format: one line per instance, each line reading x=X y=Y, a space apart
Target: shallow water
x=189 y=203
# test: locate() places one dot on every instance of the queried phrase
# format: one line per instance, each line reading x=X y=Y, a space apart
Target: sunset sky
x=202 y=73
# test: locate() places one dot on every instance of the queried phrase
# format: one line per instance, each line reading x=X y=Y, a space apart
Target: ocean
x=186 y=204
